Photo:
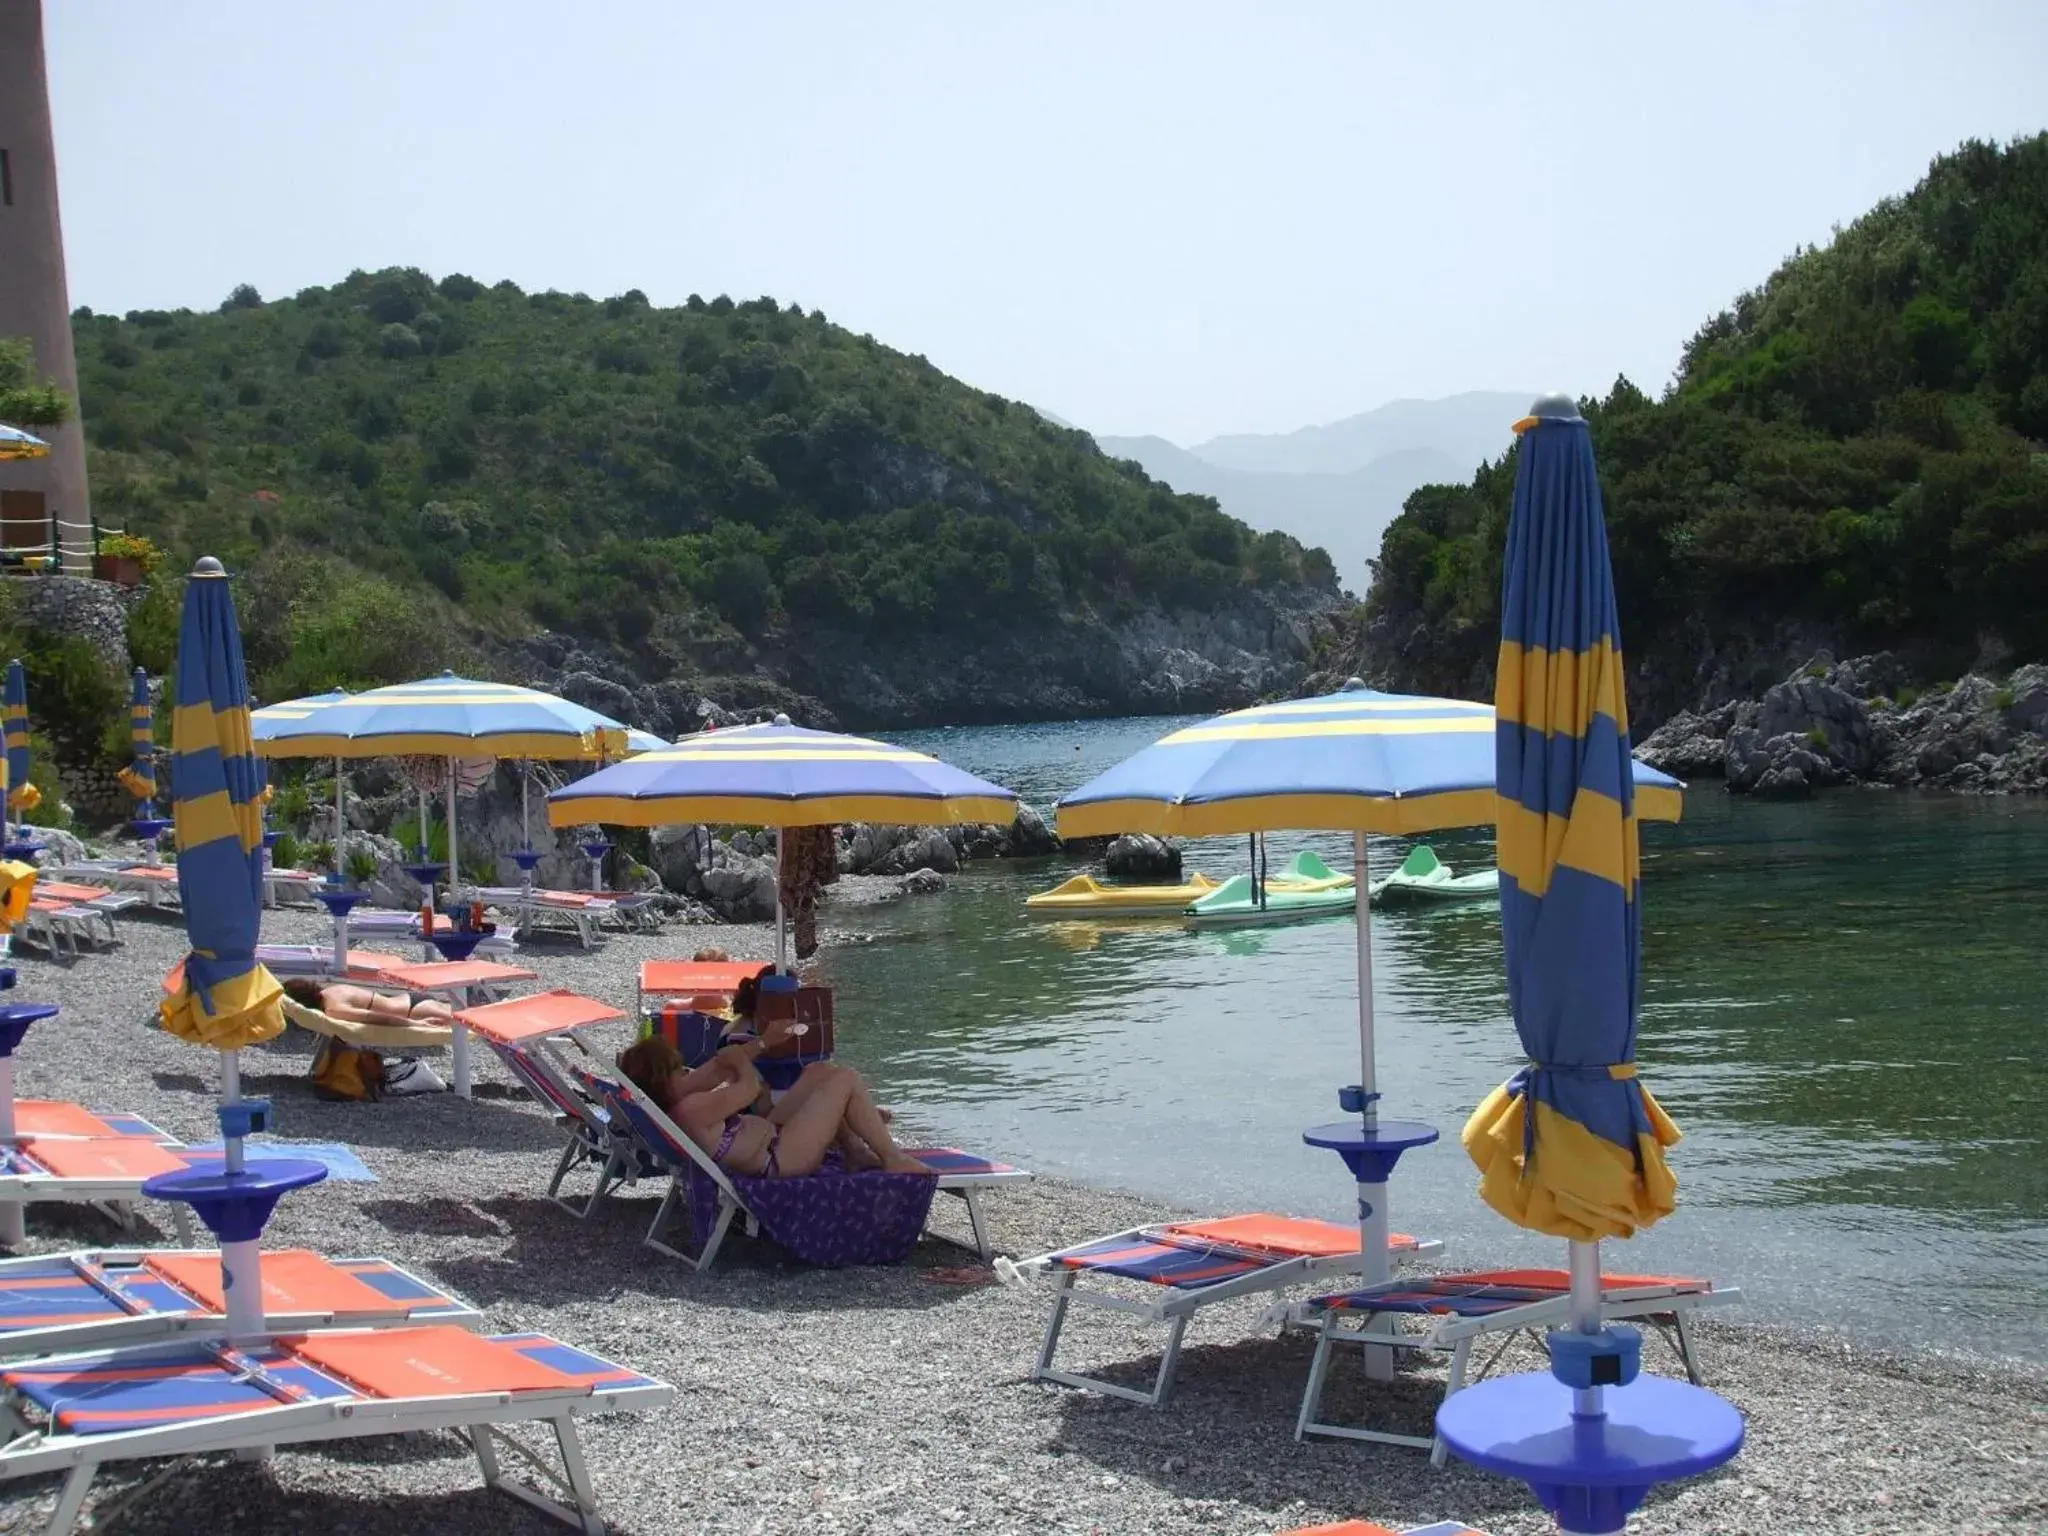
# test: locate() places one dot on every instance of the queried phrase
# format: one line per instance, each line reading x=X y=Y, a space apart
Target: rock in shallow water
x=1140 y=856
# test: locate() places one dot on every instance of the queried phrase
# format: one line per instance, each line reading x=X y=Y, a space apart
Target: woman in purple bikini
x=713 y=1104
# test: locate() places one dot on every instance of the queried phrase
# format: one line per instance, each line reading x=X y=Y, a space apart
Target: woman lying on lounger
x=359 y=1005
x=828 y=1105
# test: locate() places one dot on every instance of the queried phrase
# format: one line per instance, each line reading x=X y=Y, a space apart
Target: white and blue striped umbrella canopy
x=445 y=716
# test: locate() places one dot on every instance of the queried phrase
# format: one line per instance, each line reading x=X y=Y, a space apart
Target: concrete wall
x=33 y=298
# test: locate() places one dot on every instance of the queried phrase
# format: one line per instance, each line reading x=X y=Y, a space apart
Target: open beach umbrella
x=780 y=775
x=1573 y=1145
x=1354 y=761
x=22 y=796
x=17 y=444
x=267 y=719
x=447 y=717
x=139 y=777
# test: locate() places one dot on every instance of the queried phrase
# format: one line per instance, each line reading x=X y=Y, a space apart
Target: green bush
x=2002 y=699
x=319 y=854
x=1817 y=738
x=287 y=852
x=362 y=866
x=1908 y=697
x=153 y=623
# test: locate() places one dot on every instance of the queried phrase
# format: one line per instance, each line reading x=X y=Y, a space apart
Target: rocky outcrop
x=883 y=850
x=1858 y=721
x=1140 y=856
x=94 y=611
x=735 y=879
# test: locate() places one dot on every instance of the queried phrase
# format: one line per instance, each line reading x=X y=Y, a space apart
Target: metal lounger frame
x=474 y=1414
x=117 y=1199
x=160 y=1327
x=1665 y=1307
x=1174 y=1307
x=589 y=1131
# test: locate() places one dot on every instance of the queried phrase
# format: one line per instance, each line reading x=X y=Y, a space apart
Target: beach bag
x=347 y=1073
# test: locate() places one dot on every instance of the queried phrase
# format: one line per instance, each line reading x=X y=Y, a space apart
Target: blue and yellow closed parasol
x=1574 y=1144
x=22 y=796
x=139 y=777
x=226 y=1000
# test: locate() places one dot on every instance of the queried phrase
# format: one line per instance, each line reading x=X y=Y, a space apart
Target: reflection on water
x=1843 y=1008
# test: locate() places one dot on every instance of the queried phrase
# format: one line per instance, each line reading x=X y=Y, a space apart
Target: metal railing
x=73 y=556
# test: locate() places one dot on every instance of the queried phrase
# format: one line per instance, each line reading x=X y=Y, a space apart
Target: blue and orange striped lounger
x=1457 y=1310
x=66 y=1153
x=60 y=1302
x=77 y=1413
x=1189 y=1265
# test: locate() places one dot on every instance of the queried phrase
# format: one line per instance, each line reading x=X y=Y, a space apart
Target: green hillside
x=1856 y=447
x=407 y=469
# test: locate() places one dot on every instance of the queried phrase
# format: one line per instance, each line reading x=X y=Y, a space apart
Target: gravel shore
x=896 y=1400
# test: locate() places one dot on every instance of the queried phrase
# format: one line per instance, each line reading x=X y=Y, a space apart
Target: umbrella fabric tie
x=1523 y=1086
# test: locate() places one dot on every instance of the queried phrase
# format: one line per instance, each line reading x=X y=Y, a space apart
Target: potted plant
x=126 y=558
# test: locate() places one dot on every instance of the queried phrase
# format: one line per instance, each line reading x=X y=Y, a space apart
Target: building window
x=6 y=181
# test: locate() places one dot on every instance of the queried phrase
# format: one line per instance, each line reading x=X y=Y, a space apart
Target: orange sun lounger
x=1452 y=1312
x=81 y=1412
x=1186 y=1266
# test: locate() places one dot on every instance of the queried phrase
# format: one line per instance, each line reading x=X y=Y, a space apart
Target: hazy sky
x=1178 y=218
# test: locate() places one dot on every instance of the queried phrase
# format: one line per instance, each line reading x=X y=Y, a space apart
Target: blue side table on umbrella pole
x=1592 y=1436
x=1370 y=1148
x=15 y=1019
x=595 y=850
x=148 y=827
x=21 y=846
x=340 y=900
x=235 y=1204
x=528 y=859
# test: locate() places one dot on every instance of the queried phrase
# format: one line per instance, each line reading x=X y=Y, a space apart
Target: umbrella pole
x=1585 y=1314
x=1375 y=1265
x=340 y=825
x=454 y=863
x=240 y=1259
x=13 y=1213
x=526 y=824
x=781 y=939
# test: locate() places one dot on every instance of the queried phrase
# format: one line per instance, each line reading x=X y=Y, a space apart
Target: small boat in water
x=1426 y=877
x=1307 y=887
x=1086 y=896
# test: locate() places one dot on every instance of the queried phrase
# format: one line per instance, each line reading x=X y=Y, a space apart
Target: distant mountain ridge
x=1338 y=485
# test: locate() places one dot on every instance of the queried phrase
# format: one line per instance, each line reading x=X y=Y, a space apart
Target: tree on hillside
x=26 y=401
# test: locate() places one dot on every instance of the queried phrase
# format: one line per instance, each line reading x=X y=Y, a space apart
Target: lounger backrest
x=667 y=1140
x=542 y=1083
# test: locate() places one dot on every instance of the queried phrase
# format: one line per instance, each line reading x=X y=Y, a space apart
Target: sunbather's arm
x=713 y=1107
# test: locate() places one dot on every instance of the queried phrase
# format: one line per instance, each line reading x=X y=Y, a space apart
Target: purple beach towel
x=831 y=1218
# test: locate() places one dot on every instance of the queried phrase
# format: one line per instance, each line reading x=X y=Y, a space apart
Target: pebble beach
x=898 y=1400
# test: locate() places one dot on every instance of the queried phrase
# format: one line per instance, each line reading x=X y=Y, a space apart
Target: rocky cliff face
x=1858 y=721
x=1147 y=662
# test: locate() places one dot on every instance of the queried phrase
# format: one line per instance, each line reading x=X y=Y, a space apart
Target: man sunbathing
x=359 y=1005
x=828 y=1105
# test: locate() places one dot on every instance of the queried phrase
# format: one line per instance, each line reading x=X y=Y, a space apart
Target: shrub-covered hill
x=404 y=467
x=1851 y=456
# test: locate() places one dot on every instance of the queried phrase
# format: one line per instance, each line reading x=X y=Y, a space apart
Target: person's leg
x=807 y=1126
x=431 y=1010
x=857 y=1111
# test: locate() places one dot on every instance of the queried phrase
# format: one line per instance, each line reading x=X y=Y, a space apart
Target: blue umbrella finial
x=208 y=566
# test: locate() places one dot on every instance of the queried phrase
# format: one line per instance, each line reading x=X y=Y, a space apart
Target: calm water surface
x=1846 y=1010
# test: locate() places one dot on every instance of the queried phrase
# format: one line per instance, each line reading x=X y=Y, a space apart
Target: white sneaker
x=412 y=1076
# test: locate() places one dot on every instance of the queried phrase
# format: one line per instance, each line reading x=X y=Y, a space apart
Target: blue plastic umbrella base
x=1590 y=1473
x=1370 y=1154
x=235 y=1206
x=15 y=1019
x=457 y=946
x=339 y=900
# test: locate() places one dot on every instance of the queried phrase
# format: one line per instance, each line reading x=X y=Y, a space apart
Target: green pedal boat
x=1307 y=887
x=1425 y=877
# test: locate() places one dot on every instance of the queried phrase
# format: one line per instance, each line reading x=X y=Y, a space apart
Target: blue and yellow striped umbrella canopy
x=226 y=1000
x=1352 y=761
x=139 y=777
x=780 y=775
x=445 y=716
x=1573 y=1145
x=17 y=444
x=22 y=796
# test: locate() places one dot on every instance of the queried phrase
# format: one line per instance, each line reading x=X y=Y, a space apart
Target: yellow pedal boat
x=1086 y=896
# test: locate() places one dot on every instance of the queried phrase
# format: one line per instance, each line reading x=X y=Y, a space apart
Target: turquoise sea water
x=1846 y=1010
